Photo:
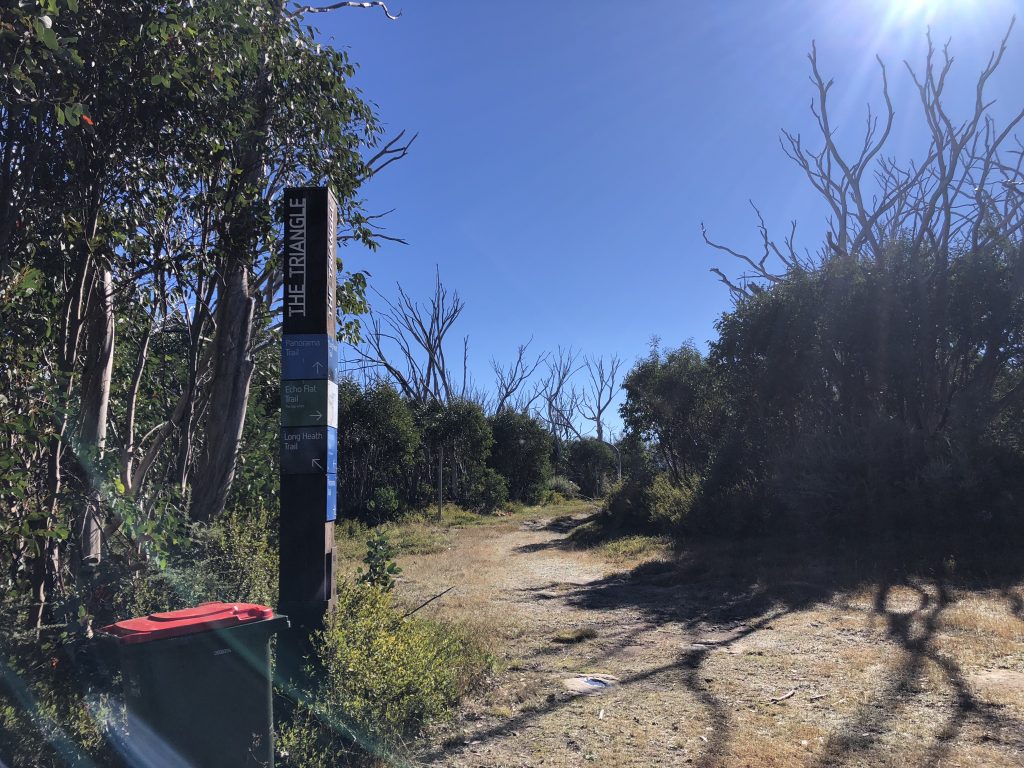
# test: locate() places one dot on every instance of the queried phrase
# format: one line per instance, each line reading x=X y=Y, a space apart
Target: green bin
x=198 y=686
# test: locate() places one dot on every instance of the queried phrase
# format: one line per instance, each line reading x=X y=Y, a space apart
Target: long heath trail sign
x=309 y=406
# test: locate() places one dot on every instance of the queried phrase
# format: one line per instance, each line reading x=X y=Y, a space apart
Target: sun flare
x=912 y=11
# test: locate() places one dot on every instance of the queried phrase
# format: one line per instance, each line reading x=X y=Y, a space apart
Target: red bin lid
x=202 y=618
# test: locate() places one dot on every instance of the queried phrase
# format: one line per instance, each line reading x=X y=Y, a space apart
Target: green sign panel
x=309 y=403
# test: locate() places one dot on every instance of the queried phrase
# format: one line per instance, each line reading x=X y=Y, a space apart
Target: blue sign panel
x=309 y=450
x=332 y=497
x=309 y=356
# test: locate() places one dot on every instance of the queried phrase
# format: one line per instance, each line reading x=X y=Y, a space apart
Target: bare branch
x=406 y=341
x=508 y=382
x=603 y=384
x=304 y=9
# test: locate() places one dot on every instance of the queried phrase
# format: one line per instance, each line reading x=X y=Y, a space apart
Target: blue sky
x=568 y=151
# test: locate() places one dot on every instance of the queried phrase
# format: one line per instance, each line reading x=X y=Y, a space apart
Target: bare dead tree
x=965 y=191
x=406 y=342
x=558 y=400
x=600 y=390
x=510 y=390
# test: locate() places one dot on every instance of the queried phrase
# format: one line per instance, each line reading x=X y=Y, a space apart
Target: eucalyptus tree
x=92 y=115
x=144 y=146
x=287 y=115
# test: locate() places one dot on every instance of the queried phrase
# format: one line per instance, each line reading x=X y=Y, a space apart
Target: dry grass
x=636 y=548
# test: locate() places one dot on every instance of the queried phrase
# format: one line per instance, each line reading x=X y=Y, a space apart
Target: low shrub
x=383 y=679
x=650 y=503
x=45 y=720
x=381 y=567
x=490 y=493
x=668 y=502
x=564 y=486
x=553 y=499
x=454 y=515
x=384 y=505
x=232 y=559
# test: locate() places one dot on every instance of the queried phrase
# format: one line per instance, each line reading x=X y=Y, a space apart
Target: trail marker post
x=309 y=407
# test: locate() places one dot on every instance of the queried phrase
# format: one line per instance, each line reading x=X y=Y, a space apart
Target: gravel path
x=704 y=667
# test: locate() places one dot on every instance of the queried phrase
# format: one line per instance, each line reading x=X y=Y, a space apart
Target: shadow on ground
x=739 y=588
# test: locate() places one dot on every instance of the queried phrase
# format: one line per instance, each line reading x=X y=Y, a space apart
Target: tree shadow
x=741 y=587
x=688 y=665
x=565 y=524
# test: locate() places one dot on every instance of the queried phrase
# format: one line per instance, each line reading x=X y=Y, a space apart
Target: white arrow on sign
x=317 y=366
x=316 y=415
x=317 y=464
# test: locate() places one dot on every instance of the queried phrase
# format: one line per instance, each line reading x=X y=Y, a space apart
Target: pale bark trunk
x=233 y=318
x=229 y=393
x=92 y=429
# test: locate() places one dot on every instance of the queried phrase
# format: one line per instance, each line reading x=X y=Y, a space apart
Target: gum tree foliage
x=521 y=454
x=144 y=146
x=672 y=404
x=379 y=443
x=591 y=464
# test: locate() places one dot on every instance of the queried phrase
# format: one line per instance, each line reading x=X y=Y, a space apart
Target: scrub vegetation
x=802 y=548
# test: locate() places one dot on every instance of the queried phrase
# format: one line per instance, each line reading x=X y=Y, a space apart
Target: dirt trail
x=708 y=670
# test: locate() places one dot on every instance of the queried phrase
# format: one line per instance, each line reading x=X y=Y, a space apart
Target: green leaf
x=73 y=6
x=45 y=34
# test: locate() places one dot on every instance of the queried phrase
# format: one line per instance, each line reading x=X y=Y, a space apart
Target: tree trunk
x=233 y=318
x=92 y=426
x=229 y=392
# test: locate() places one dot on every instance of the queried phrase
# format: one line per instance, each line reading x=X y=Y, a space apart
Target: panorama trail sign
x=309 y=405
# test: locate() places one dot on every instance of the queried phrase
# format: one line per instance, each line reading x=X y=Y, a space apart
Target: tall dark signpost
x=309 y=407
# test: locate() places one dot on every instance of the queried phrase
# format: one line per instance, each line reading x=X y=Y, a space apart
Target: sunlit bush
x=383 y=678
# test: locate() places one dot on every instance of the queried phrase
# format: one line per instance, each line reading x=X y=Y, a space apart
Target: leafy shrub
x=380 y=441
x=553 y=498
x=563 y=485
x=668 y=502
x=381 y=567
x=384 y=505
x=650 y=502
x=521 y=454
x=383 y=677
x=490 y=492
x=234 y=558
x=591 y=465
x=627 y=503
x=44 y=718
